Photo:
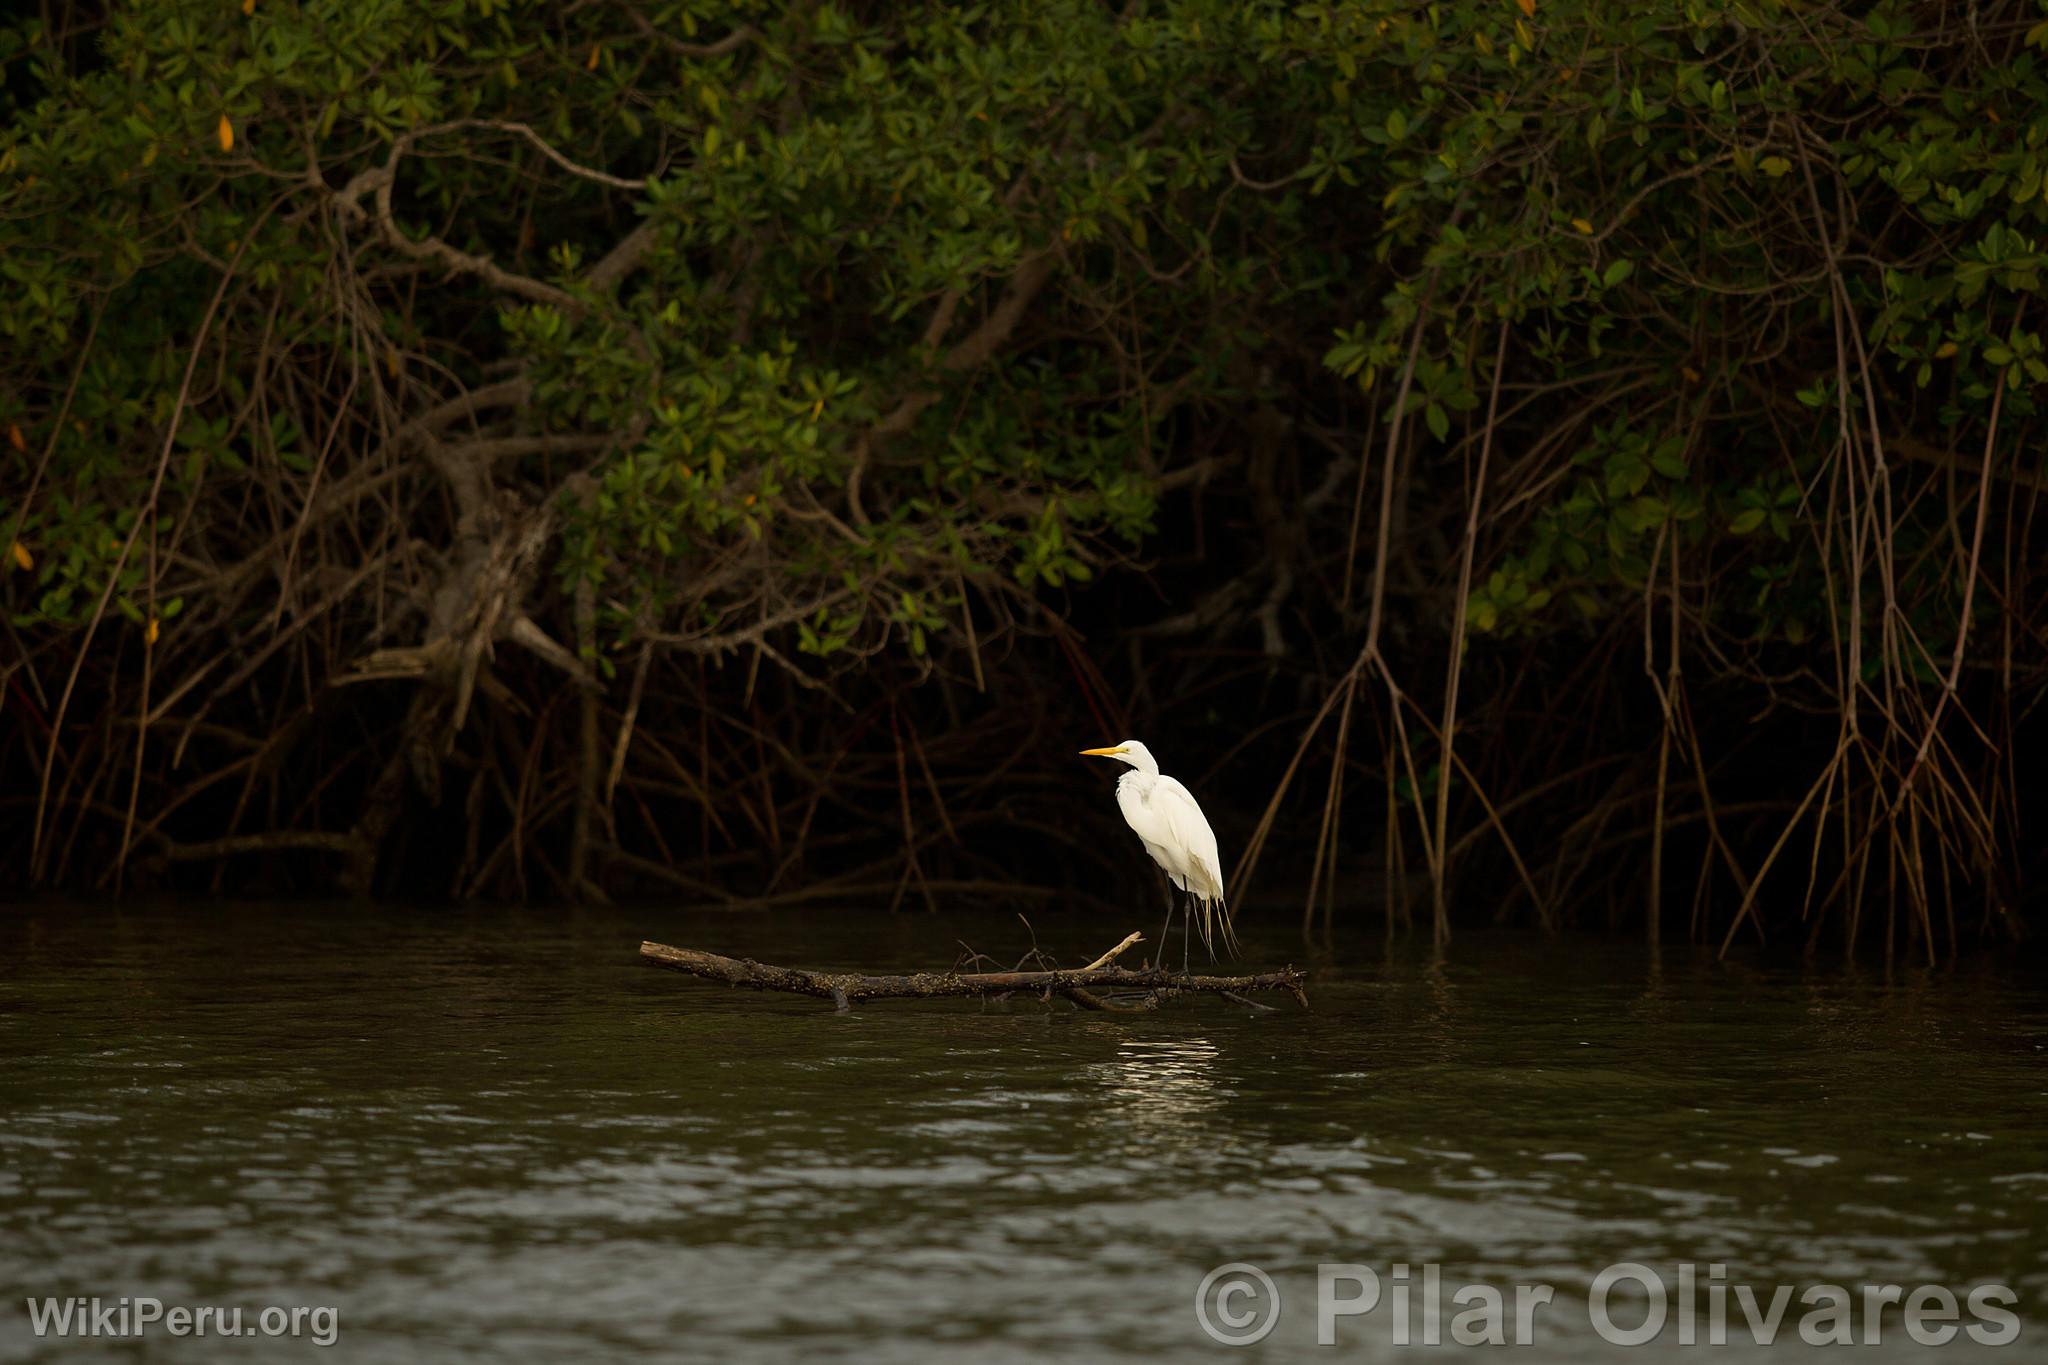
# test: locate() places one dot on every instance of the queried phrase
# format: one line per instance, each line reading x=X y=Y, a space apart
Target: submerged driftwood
x=1078 y=985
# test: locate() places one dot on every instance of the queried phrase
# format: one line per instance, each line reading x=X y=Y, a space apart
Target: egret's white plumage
x=1165 y=816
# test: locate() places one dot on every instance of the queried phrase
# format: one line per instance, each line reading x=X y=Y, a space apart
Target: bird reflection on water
x=1162 y=1090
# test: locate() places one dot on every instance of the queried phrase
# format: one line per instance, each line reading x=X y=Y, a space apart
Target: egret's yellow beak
x=1102 y=753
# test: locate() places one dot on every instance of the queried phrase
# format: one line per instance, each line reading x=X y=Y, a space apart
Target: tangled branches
x=738 y=464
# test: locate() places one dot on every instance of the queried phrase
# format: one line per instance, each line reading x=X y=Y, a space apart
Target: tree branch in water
x=1080 y=986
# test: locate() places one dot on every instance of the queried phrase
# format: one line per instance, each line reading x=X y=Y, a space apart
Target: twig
x=1114 y=953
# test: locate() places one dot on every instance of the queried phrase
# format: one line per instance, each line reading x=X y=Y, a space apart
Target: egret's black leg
x=1159 y=953
x=1186 y=923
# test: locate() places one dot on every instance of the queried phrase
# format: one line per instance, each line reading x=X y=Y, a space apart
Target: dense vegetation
x=1529 y=447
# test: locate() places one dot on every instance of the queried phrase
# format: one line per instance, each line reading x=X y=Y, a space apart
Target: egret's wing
x=1188 y=831
x=1134 y=800
x=1176 y=833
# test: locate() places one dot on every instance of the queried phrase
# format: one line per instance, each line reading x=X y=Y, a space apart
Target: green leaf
x=1670 y=465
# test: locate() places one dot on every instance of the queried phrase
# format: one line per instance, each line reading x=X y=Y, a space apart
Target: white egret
x=1165 y=816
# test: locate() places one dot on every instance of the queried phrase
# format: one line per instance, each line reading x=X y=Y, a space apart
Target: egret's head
x=1131 y=752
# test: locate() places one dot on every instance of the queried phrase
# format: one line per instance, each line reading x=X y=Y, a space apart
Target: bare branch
x=976 y=348
x=843 y=988
x=622 y=259
x=731 y=42
x=523 y=631
x=378 y=182
x=547 y=150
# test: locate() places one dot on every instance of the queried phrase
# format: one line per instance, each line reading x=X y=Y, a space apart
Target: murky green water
x=492 y=1135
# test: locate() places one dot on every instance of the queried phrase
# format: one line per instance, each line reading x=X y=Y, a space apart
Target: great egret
x=1165 y=816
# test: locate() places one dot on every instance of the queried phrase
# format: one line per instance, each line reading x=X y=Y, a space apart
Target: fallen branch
x=1080 y=985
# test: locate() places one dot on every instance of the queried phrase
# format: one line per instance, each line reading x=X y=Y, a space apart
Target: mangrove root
x=1080 y=985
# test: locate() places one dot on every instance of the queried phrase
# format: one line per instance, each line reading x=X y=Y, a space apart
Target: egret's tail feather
x=1213 y=921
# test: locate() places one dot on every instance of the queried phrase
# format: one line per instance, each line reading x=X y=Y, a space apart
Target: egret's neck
x=1144 y=763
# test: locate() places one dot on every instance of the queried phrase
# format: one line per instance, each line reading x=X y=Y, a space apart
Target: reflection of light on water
x=1161 y=1088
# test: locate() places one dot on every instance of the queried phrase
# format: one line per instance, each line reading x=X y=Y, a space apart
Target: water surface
x=491 y=1134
